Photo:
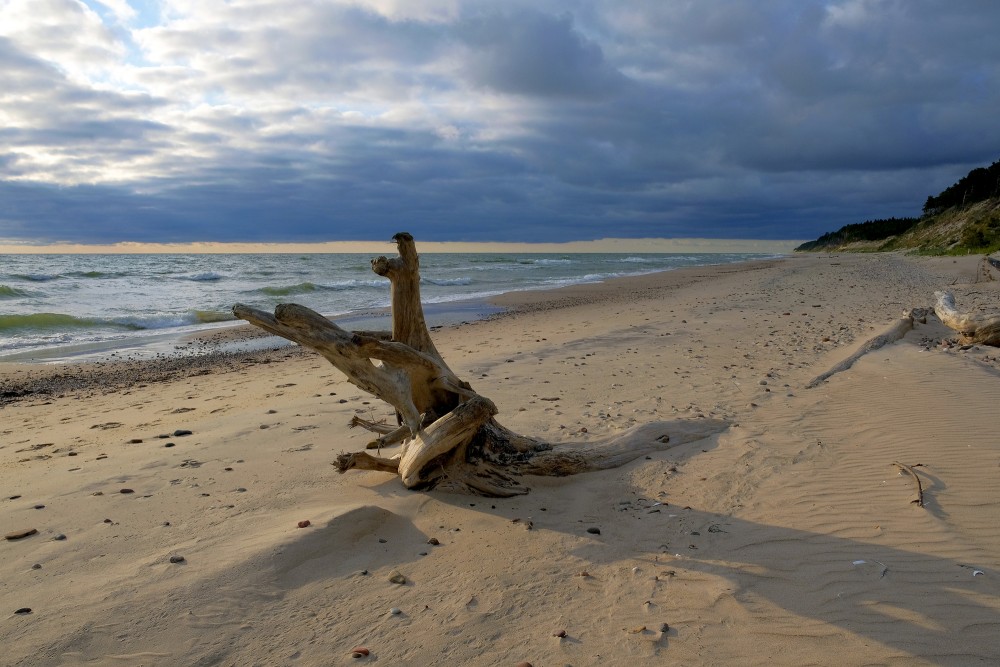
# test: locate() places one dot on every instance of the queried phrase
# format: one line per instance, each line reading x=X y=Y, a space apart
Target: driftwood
x=891 y=334
x=448 y=433
x=972 y=328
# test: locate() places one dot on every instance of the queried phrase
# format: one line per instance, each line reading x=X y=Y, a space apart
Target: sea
x=57 y=308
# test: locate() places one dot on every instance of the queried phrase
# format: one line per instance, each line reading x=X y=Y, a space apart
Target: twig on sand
x=919 y=500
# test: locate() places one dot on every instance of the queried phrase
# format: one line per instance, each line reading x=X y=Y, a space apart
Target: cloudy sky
x=477 y=120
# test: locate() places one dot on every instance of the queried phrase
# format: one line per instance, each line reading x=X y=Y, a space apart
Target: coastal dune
x=787 y=537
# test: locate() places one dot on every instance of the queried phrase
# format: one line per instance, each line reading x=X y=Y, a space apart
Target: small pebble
x=241 y=490
x=169 y=444
x=108 y=521
x=36 y=566
x=177 y=559
x=397 y=577
x=305 y=523
x=524 y=664
x=135 y=441
x=560 y=634
x=359 y=652
x=23 y=611
x=382 y=540
x=126 y=491
x=594 y=530
x=434 y=541
x=395 y=611
x=181 y=432
x=59 y=538
x=39 y=507
x=13 y=497
x=664 y=628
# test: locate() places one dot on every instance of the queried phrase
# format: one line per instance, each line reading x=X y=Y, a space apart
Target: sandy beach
x=167 y=496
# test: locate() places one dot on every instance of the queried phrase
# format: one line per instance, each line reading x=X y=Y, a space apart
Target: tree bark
x=449 y=437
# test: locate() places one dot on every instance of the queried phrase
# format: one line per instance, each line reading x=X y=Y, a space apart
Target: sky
x=306 y=121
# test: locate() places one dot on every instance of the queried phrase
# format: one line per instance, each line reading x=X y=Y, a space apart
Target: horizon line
x=607 y=245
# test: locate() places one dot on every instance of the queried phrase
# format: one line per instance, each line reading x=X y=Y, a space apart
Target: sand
x=789 y=538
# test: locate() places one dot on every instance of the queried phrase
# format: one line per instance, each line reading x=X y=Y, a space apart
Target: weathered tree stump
x=972 y=328
x=448 y=432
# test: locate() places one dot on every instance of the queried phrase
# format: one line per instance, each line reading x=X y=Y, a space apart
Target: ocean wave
x=47 y=321
x=300 y=288
x=446 y=282
x=171 y=320
x=550 y=262
x=633 y=260
x=95 y=274
x=204 y=276
x=307 y=287
x=7 y=292
x=36 y=277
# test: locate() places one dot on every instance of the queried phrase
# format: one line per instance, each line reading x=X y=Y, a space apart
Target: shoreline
x=238 y=344
x=786 y=538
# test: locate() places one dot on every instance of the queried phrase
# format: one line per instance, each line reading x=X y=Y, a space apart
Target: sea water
x=53 y=305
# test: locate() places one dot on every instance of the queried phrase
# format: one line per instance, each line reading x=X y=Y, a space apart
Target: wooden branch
x=339 y=347
x=408 y=323
x=919 y=500
x=894 y=332
x=446 y=434
x=365 y=461
x=972 y=328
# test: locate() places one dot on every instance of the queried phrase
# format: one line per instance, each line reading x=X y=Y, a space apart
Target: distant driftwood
x=448 y=433
x=972 y=328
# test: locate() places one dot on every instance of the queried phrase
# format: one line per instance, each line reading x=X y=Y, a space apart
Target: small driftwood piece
x=448 y=433
x=972 y=328
x=919 y=500
x=891 y=334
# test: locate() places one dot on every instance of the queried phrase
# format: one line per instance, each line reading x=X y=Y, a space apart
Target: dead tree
x=448 y=433
x=972 y=328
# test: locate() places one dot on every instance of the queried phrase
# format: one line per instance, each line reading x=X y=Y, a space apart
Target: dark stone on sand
x=126 y=491
x=177 y=559
x=181 y=432
x=23 y=611
x=59 y=538
x=382 y=540
x=433 y=541
x=305 y=523
x=594 y=530
x=135 y=441
x=359 y=652
x=164 y=436
x=169 y=444
x=39 y=507
x=108 y=521
x=397 y=577
x=241 y=490
x=20 y=534
x=13 y=497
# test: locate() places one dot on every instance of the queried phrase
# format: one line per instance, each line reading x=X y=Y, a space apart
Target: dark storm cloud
x=517 y=121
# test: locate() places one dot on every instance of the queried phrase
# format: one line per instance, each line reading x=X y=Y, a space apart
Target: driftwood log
x=891 y=334
x=972 y=328
x=447 y=432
